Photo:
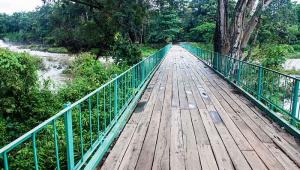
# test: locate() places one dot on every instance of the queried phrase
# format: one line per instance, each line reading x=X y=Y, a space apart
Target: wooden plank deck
x=189 y=118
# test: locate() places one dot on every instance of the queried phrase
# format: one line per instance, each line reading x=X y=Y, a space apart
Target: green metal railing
x=81 y=133
x=277 y=92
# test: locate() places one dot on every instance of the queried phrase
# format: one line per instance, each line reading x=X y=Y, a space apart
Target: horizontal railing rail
x=277 y=92
x=72 y=136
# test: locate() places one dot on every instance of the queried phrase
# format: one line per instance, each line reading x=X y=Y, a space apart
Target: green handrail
x=88 y=126
x=273 y=91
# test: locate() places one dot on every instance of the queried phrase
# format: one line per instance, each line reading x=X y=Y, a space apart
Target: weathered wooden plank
x=281 y=157
x=234 y=152
x=256 y=129
x=116 y=155
x=132 y=154
x=177 y=159
x=220 y=152
x=270 y=131
x=162 y=150
x=262 y=151
x=254 y=161
x=191 y=152
x=234 y=131
x=146 y=156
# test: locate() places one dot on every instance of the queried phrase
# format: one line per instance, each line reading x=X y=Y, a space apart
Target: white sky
x=11 y=6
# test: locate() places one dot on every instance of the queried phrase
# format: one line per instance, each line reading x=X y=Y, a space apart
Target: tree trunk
x=221 y=38
x=253 y=43
x=245 y=20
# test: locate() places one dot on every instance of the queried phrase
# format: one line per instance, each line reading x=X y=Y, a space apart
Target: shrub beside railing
x=69 y=139
x=276 y=91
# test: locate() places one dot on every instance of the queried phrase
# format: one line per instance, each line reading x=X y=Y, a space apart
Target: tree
x=203 y=32
x=164 y=27
x=233 y=38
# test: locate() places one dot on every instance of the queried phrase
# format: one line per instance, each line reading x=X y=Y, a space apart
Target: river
x=54 y=64
x=292 y=64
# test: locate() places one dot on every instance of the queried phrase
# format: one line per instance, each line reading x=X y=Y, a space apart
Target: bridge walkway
x=189 y=118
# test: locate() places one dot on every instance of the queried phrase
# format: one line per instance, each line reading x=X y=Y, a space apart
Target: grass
x=295 y=55
x=147 y=50
x=292 y=72
x=36 y=47
x=203 y=46
x=57 y=50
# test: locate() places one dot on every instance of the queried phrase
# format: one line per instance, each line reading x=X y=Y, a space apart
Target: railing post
x=217 y=61
x=133 y=78
x=143 y=71
x=116 y=97
x=260 y=82
x=226 y=66
x=69 y=137
x=5 y=159
x=239 y=73
x=295 y=101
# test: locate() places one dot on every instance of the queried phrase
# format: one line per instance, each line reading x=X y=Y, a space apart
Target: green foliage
x=57 y=50
x=279 y=23
x=296 y=47
x=203 y=46
x=147 y=50
x=203 y=32
x=124 y=52
x=273 y=56
x=165 y=27
x=22 y=98
x=88 y=74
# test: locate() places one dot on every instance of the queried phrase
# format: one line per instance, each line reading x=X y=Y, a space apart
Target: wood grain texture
x=189 y=118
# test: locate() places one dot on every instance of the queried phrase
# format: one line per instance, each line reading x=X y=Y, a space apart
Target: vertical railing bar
x=90 y=120
x=5 y=159
x=116 y=97
x=104 y=106
x=80 y=129
x=35 y=156
x=260 y=83
x=69 y=137
x=56 y=146
x=98 y=113
x=295 y=101
x=110 y=108
x=284 y=94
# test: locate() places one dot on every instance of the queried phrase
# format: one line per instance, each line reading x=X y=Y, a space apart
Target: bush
x=203 y=32
x=296 y=47
x=273 y=56
x=21 y=97
x=88 y=74
x=124 y=52
x=147 y=50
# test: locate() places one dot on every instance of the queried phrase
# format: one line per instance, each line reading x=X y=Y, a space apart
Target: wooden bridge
x=174 y=111
x=190 y=118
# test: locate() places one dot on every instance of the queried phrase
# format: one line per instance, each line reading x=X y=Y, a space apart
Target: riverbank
x=53 y=64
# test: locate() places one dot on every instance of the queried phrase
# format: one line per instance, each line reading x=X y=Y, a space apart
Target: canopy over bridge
x=174 y=110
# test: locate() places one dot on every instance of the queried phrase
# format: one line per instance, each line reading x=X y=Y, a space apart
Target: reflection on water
x=54 y=64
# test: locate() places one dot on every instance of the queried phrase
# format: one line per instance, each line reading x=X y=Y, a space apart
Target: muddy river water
x=53 y=64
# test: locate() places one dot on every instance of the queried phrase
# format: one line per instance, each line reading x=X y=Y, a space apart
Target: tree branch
x=90 y=4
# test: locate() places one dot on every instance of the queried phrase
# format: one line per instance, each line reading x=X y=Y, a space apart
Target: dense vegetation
x=126 y=30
